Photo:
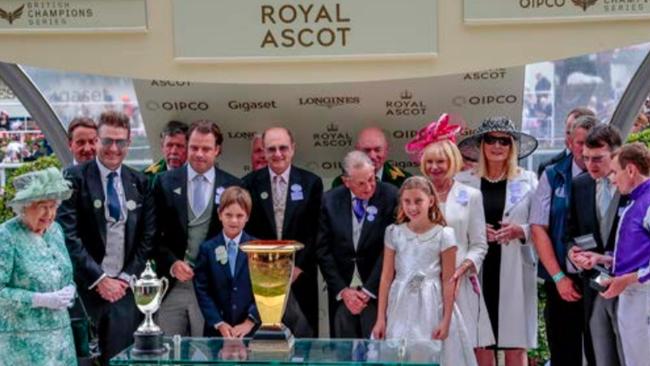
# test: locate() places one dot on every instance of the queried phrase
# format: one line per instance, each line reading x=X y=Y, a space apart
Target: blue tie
x=113 y=199
x=232 y=256
x=359 y=210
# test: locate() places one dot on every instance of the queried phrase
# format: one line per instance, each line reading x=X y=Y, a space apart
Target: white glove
x=55 y=300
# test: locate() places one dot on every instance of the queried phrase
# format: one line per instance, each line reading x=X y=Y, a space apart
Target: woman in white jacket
x=509 y=270
x=462 y=207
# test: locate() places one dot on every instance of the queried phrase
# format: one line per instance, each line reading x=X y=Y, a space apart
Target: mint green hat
x=46 y=184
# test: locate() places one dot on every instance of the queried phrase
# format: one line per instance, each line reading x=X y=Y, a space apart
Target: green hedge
x=41 y=163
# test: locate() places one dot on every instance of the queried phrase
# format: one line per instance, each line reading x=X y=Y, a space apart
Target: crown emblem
x=10 y=16
x=584 y=4
x=332 y=127
x=406 y=95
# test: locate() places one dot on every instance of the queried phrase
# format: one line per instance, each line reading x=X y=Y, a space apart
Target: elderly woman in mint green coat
x=36 y=279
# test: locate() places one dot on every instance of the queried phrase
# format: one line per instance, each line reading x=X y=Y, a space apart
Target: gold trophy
x=271 y=263
x=148 y=292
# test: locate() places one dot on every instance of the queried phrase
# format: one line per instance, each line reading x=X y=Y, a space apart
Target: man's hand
x=353 y=300
x=225 y=329
x=240 y=330
x=111 y=289
x=567 y=290
x=182 y=271
x=618 y=284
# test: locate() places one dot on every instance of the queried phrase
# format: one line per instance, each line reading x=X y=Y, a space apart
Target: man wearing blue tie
x=109 y=223
x=350 y=244
x=221 y=276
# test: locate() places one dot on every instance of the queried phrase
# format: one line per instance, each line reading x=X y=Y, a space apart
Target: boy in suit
x=221 y=277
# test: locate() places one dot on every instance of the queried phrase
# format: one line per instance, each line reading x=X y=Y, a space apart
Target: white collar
x=191 y=173
x=285 y=174
x=104 y=171
x=576 y=170
x=236 y=239
x=380 y=173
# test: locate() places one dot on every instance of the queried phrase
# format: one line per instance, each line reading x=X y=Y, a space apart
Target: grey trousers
x=603 y=325
x=180 y=313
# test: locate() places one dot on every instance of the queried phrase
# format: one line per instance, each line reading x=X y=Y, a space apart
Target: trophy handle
x=165 y=287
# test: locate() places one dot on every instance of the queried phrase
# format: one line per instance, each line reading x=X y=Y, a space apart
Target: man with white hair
x=350 y=244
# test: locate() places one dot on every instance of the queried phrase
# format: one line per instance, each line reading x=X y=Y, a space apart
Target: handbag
x=85 y=336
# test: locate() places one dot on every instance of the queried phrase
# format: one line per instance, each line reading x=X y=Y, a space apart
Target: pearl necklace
x=495 y=180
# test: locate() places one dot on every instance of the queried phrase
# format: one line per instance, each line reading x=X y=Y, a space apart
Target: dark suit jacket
x=300 y=216
x=84 y=224
x=335 y=248
x=556 y=158
x=391 y=174
x=583 y=218
x=221 y=296
x=170 y=197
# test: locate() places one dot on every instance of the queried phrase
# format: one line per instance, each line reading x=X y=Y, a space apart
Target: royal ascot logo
x=168 y=83
x=494 y=74
x=584 y=4
x=332 y=137
x=10 y=16
x=329 y=102
x=241 y=135
x=177 y=106
x=249 y=106
x=476 y=100
x=406 y=105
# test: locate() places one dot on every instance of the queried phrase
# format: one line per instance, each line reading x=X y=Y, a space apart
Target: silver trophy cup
x=148 y=292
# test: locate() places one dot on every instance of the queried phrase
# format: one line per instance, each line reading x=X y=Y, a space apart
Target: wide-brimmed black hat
x=470 y=147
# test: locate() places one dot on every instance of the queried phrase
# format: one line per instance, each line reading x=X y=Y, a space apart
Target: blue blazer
x=221 y=296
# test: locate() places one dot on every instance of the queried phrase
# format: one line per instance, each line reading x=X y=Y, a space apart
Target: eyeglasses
x=283 y=149
x=491 y=140
x=107 y=142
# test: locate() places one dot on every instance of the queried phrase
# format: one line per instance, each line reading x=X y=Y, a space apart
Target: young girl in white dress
x=416 y=292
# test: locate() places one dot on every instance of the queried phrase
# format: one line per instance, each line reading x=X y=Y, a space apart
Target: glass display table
x=215 y=351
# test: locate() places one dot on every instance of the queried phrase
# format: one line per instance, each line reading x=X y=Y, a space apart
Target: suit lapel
x=179 y=194
x=96 y=192
x=368 y=225
x=264 y=182
x=242 y=258
x=344 y=212
x=295 y=180
x=131 y=195
x=215 y=224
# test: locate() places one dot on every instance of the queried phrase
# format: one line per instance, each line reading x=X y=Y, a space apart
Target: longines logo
x=332 y=137
x=406 y=105
x=328 y=102
x=461 y=100
x=10 y=16
x=168 y=83
x=248 y=106
x=177 y=106
x=584 y=4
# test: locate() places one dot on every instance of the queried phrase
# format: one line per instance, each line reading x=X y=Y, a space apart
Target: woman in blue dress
x=36 y=280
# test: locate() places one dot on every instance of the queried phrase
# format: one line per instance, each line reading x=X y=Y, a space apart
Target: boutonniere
x=462 y=198
x=130 y=205
x=217 y=195
x=296 y=192
x=396 y=173
x=264 y=195
x=221 y=255
x=372 y=213
x=97 y=204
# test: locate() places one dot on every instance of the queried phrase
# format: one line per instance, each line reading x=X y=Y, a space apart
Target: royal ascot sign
x=236 y=30
x=46 y=16
x=549 y=11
